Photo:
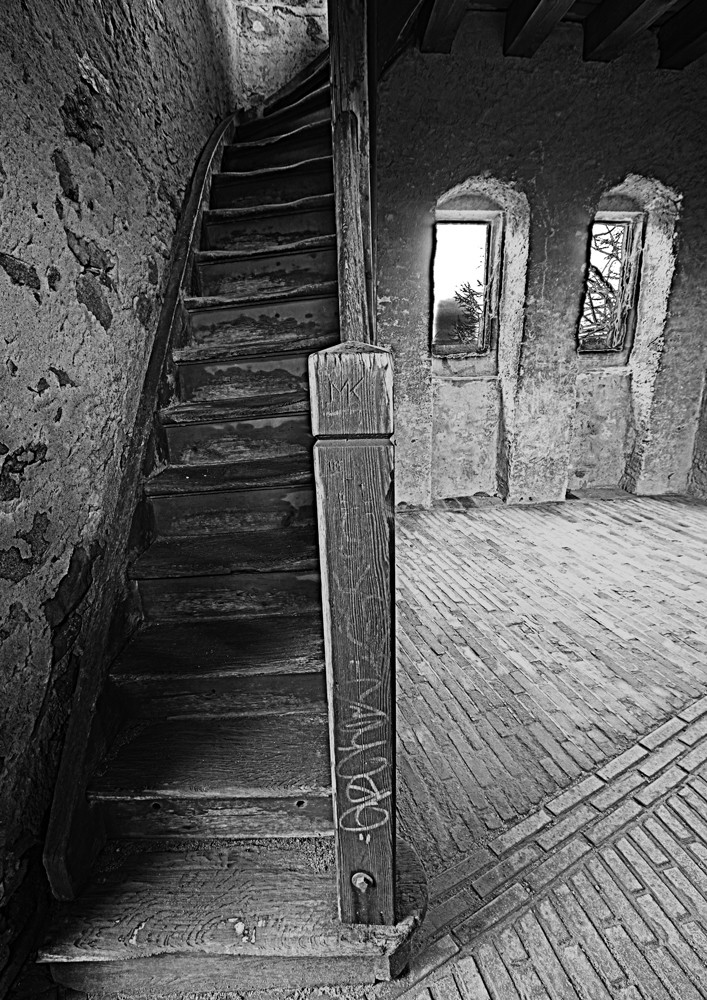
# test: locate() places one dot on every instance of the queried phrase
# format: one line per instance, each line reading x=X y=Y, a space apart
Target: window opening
x=608 y=317
x=466 y=283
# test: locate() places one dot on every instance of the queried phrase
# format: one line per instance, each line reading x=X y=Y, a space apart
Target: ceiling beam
x=529 y=22
x=683 y=38
x=442 y=25
x=614 y=23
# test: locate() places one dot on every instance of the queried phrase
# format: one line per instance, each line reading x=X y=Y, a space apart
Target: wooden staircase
x=215 y=796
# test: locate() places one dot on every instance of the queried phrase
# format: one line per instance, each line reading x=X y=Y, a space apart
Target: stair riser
x=236 y=819
x=318 y=110
x=240 y=595
x=265 y=275
x=232 y=694
x=246 y=326
x=176 y=975
x=232 y=191
x=258 y=232
x=239 y=441
x=306 y=145
x=218 y=513
x=269 y=378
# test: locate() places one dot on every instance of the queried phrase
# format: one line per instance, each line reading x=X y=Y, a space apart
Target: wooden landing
x=217 y=918
x=535 y=644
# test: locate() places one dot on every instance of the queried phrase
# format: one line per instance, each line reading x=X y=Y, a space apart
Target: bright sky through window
x=460 y=269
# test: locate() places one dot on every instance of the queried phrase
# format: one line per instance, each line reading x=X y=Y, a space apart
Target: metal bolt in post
x=362 y=881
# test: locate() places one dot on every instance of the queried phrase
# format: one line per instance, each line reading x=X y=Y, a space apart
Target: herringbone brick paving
x=535 y=645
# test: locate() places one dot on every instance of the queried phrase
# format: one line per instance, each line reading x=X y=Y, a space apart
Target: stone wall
x=104 y=108
x=563 y=133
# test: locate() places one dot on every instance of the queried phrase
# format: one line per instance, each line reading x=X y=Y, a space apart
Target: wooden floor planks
x=535 y=643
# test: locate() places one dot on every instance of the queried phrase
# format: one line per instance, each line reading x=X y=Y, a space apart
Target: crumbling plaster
x=563 y=132
x=104 y=107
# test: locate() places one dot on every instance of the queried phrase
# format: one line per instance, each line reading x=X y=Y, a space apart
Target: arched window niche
x=618 y=362
x=479 y=272
x=475 y=371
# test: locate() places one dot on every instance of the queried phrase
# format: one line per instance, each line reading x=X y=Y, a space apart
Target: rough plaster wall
x=104 y=107
x=603 y=428
x=466 y=417
x=698 y=475
x=275 y=41
x=563 y=132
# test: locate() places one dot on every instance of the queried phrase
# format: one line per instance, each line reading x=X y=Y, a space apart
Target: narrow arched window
x=608 y=316
x=466 y=274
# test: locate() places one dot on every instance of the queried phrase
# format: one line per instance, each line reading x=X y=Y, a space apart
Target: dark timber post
x=352 y=415
x=351 y=136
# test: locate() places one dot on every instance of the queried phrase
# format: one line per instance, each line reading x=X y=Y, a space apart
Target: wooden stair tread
x=296 y=206
x=274 y=140
x=264 y=756
x=259 y=646
x=276 y=250
x=313 y=164
x=201 y=902
x=317 y=290
x=213 y=555
x=236 y=410
x=181 y=479
x=196 y=353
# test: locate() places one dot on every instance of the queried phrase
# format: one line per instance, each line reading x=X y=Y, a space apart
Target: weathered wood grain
x=227 y=758
x=351 y=393
x=194 y=903
x=348 y=46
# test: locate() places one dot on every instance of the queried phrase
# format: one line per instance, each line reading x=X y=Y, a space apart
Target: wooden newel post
x=352 y=415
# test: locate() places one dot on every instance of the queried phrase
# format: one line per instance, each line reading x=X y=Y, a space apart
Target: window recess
x=608 y=317
x=466 y=275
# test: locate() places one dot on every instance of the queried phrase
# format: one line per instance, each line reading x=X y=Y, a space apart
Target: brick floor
x=537 y=646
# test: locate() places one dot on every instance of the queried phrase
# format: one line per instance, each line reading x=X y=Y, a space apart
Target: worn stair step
x=312 y=107
x=238 y=595
x=217 y=555
x=187 y=651
x=251 y=229
x=187 y=480
x=219 y=272
x=219 y=695
x=254 y=436
x=254 y=510
x=311 y=78
x=260 y=775
x=301 y=144
x=311 y=315
x=224 y=919
x=272 y=185
x=277 y=377
x=266 y=665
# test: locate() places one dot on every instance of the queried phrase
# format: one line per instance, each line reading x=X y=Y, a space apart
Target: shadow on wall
x=268 y=43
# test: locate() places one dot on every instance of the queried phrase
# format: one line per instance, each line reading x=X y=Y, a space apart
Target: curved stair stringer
x=215 y=794
x=75 y=834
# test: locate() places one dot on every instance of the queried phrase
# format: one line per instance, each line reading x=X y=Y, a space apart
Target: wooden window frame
x=495 y=219
x=629 y=286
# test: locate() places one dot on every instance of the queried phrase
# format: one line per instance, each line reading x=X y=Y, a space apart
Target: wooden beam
x=683 y=38
x=351 y=136
x=529 y=22
x=614 y=23
x=352 y=417
x=442 y=25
